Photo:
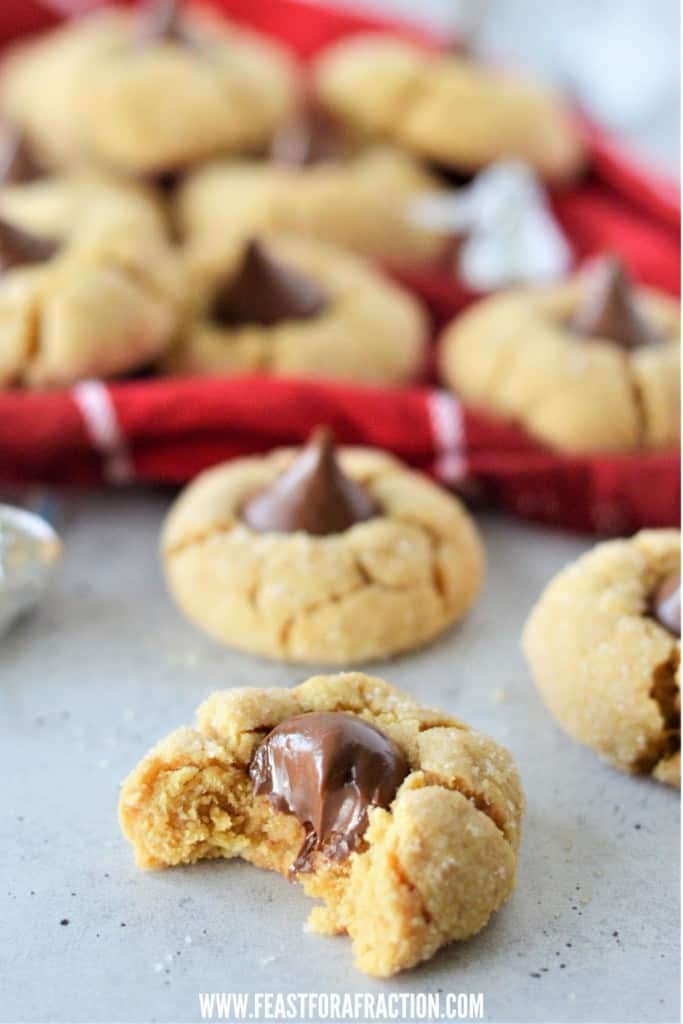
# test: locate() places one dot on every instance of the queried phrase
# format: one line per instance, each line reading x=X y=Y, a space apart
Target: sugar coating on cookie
x=435 y=858
x=104 y=298
x=359 y=203
x=386 y=584
x=368 y=329
x=524 y=355
x=603 y=658
x=446 y=108
x=144 y=99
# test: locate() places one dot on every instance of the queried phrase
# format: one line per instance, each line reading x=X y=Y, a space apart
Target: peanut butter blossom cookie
x=592 y=364
x=149 y=92
x=88 y=283
x=445 y=108
x=321 y=556
x=604 y=646
x=402 y=820
x=296 y=307
x=359 y=202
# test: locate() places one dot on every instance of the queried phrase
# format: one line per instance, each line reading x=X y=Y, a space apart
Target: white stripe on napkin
x=448 y=429
x=101 y=423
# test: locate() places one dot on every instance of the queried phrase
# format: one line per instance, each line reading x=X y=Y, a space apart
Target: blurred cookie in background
x=149 y=92
x=360 y=202
x=89 y=284
x=297 y=307
x=590 y=364
x=446 y=108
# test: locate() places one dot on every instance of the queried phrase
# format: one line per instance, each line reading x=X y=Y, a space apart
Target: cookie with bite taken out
x=402 y=820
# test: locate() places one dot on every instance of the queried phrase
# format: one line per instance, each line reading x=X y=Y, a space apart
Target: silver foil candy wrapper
x=30 y=551
x=509 y=233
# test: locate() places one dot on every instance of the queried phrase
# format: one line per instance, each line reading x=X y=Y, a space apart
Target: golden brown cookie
x=41 y=78
x=89 y=285
x=603 y=644
x=446 y=108
x=526 y=355
x=419 y=854
x=148 y=92
x=360 y=203
x=335 y=315
x=361 y=558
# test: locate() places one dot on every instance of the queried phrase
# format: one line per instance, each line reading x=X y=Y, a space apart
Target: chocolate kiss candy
x=265 y=292
x=666 y=603
x=162 y=22
x=313 y=495
x=17 y=163
x=19 y=248
x=327 y=768
x=610 y=308
x=311 y=137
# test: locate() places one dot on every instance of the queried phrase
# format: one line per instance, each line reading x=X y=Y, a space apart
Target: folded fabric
x=167 y=431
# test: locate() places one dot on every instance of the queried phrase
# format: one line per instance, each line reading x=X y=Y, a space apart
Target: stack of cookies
x=178 y=197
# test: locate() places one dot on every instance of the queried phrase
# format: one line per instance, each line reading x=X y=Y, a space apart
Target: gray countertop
x=106 y=666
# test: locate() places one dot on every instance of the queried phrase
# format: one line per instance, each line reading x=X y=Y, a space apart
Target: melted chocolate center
x=265 y=292
x=610 y=309
x=19 y=248
x=327 y=769
x=18 y=165
x=314 y=495
x=666 y=603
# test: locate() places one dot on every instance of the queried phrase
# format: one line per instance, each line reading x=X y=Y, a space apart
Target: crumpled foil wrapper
x=30 y=551
x=509 y=233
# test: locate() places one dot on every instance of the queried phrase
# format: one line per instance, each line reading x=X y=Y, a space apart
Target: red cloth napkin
x=167 y=430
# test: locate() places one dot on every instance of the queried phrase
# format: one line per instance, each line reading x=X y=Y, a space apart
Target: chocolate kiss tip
x=314 y=495
x=266 y=292
x=609 y=308
x=162 y=21
x=19 y=248
x=17 y=163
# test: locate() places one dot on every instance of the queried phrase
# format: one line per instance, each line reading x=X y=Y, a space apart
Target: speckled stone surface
x=106 y=666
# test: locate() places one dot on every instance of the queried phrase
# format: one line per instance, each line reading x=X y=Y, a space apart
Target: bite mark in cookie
x=436 y=856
